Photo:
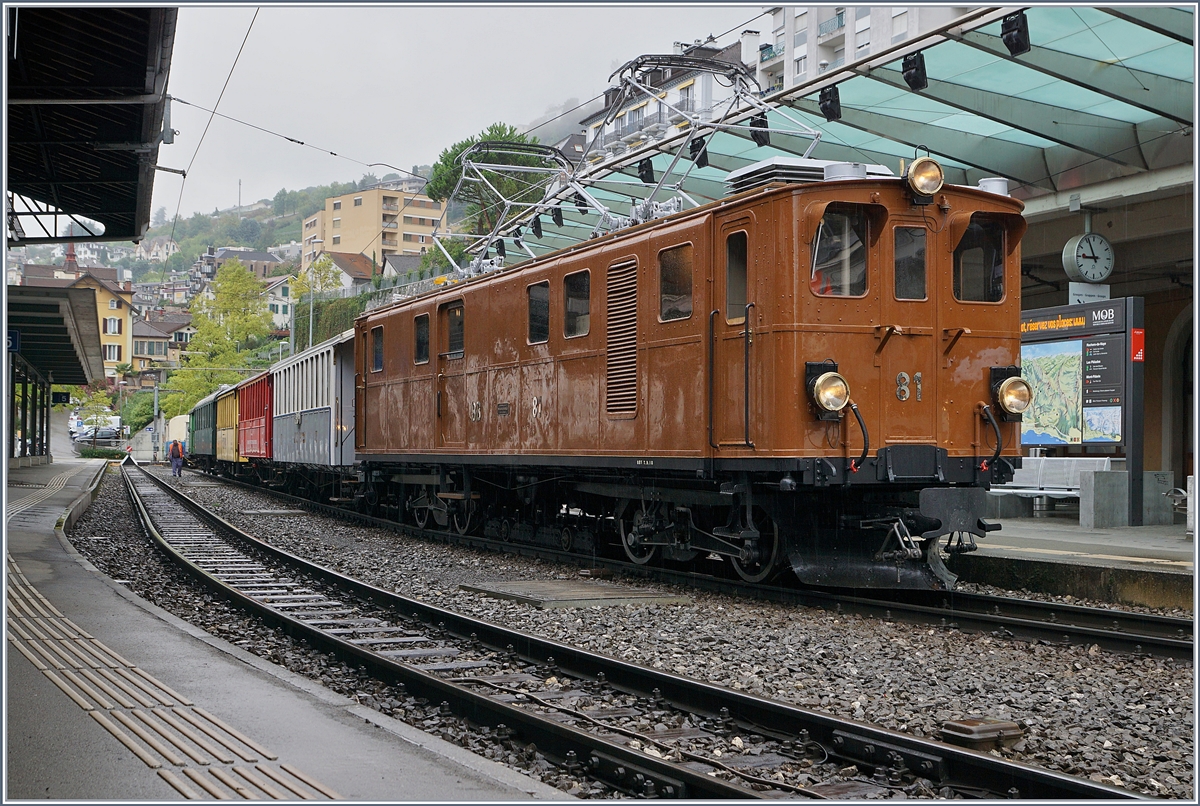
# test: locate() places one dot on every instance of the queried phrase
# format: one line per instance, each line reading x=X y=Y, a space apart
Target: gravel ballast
x=1124 y=720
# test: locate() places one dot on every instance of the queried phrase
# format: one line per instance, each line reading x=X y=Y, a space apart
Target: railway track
x=1023 y=619
x=577 y=706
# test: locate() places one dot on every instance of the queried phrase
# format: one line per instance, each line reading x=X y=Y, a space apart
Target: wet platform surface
x=112 y=698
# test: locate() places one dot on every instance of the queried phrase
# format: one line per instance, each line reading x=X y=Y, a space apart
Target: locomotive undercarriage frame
x=881 y=534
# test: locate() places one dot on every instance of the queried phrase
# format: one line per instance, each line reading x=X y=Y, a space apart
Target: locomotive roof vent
x=845 y=170
x=798 y=170
x=994 y=184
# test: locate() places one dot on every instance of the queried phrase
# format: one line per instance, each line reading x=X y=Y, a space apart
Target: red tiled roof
x=357 y=266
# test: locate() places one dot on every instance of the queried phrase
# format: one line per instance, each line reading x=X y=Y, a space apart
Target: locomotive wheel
x=505 y=530
x=464 y=518
x=768 y=551
x=421 y=515
x=638 y=553
x=566 y=538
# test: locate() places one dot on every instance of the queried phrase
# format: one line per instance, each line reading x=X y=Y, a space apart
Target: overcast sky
x=388 y=84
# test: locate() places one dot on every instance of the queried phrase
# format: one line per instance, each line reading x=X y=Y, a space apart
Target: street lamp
x=312 y=288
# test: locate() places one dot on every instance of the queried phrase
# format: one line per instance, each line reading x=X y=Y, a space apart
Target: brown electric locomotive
x=818 y=376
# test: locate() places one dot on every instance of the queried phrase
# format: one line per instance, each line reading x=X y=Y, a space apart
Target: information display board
x=1074 y=357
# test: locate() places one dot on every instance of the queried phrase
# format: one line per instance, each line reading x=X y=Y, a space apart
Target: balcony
x=395 y=208
x=389 y=242
x=833 y=65
x=656 y=123
x=390 y=225
x=769 y=52
x=832 y=24
x=686 y=107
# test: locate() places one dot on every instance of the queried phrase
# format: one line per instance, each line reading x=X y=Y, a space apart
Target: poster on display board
x=1074 y=359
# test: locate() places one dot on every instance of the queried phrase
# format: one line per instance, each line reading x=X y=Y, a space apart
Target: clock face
x=1089 y=258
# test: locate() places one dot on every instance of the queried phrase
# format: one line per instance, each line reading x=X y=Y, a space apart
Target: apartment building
x=683 y=92
x=806 y=41
x=377 y=222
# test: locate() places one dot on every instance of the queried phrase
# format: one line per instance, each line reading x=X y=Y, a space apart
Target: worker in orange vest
x=175 y=452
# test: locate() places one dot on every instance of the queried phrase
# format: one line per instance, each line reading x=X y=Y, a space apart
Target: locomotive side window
x=377 y=349
x=539 y=312
x=454 y=331
x=979 y=262
x=577 y=304
x=840 y=254
x=675 y=283
x=421 y=339
x=735 y=278
x=910 y=262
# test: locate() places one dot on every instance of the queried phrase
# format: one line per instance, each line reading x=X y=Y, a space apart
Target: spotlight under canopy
x=830 y=102
x=914 y=71
x=1014 y=33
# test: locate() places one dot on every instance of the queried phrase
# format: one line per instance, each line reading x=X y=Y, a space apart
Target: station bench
x=1049 y=478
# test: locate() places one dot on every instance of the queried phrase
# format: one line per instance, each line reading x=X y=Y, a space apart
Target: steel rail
x=866 y=745
x=1112 y=630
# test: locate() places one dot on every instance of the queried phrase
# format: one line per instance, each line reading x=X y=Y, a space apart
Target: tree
x=96 y=409
x=435 y=262
x=236 y=315
x=160 y=216
x=482 y=205
x=324 y=277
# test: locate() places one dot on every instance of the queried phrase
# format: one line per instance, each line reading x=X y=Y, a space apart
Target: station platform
x=111 y=698
x=1152 y=566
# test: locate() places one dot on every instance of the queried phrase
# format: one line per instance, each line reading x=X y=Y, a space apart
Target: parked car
x=105 y=436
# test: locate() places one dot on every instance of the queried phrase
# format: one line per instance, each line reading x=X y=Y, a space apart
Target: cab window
x=376 y=349
x=979 y=262
x=539 y=312
x=910 y=262
x=421 y=339
x=735 y=277
x=454 y=331
x=577 y=304
x=675 y=283
x=839 y=266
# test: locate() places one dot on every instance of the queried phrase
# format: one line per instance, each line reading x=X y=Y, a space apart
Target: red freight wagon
x=254 y=417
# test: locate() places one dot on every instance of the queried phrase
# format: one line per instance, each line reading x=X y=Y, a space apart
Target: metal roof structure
x=87 y=97
x=1102 y=94
x=60 y=334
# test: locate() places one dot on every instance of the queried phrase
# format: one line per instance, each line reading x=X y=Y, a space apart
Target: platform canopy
x=58 y=332
x=86 y=99
x=1101 y=94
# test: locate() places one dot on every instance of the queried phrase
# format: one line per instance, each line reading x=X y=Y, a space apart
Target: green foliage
x=138 y=411
x=434 y=262
x=235 y=317
x=330 y=318
x=101 y=453
x=322 y=275
x=482 y=208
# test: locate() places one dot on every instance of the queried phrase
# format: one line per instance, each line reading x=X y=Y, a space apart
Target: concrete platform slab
x=571 y=593
x=112 y=698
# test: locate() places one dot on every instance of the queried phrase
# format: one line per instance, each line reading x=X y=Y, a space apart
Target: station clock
x=1088 y=258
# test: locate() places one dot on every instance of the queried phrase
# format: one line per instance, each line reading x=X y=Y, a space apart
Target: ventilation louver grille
x=621 y=359
x=788 y=169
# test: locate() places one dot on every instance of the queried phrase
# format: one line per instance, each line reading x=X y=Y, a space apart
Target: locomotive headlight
x=925 y=177
x=830 y=391
x=1014 y=395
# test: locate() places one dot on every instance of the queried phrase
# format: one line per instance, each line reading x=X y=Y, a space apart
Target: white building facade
x=806 y=41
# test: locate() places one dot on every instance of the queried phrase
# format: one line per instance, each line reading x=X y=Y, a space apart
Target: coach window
x=421 y=340
x=910 y=262
x=979 y=262
x=539 y=312
x=735 y=278
x=840 y=254
x=675 y=283
x=577 y=304
x=377 y=349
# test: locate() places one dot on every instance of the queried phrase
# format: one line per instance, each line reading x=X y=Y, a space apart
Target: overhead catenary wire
x=200 y=142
